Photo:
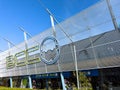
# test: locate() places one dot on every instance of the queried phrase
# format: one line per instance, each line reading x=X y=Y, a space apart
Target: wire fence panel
x=91 y=32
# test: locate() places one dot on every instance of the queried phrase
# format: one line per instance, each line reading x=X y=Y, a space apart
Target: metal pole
x=76 y=67
x=11 y=85
x=112 y=14
x=74 y=48
x=26 y=46
x=30 y=82
x=63 y=82
x=9 y=46
x=25 y=36
x=54 y=34
x=53 y=26
x=93 y=49
x=9 y=53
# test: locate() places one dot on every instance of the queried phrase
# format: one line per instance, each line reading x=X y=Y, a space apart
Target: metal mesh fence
x=91 y=31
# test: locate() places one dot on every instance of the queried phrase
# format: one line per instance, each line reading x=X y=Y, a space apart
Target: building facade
x=90 y=45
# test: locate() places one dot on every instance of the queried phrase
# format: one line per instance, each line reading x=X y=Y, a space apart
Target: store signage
x=23 y=58
x=49 y=75
x=31 y=55
x=56 y=50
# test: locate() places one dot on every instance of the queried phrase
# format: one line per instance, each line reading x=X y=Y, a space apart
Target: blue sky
x=30 y=15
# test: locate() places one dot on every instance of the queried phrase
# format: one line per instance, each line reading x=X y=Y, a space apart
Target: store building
x=90 y=48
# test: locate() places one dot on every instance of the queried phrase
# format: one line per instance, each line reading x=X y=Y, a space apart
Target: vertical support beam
x=112 y=14
x=11 y=84
x=53 y=26
x=25 y=36
x=54 y=34
x=93 y=48
x=9 y=46
x=8 y=52
x=76 y=67
x=74 y=50
x=63 y=81
x=46 y=84
x=30 y=82
x=26 y=46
